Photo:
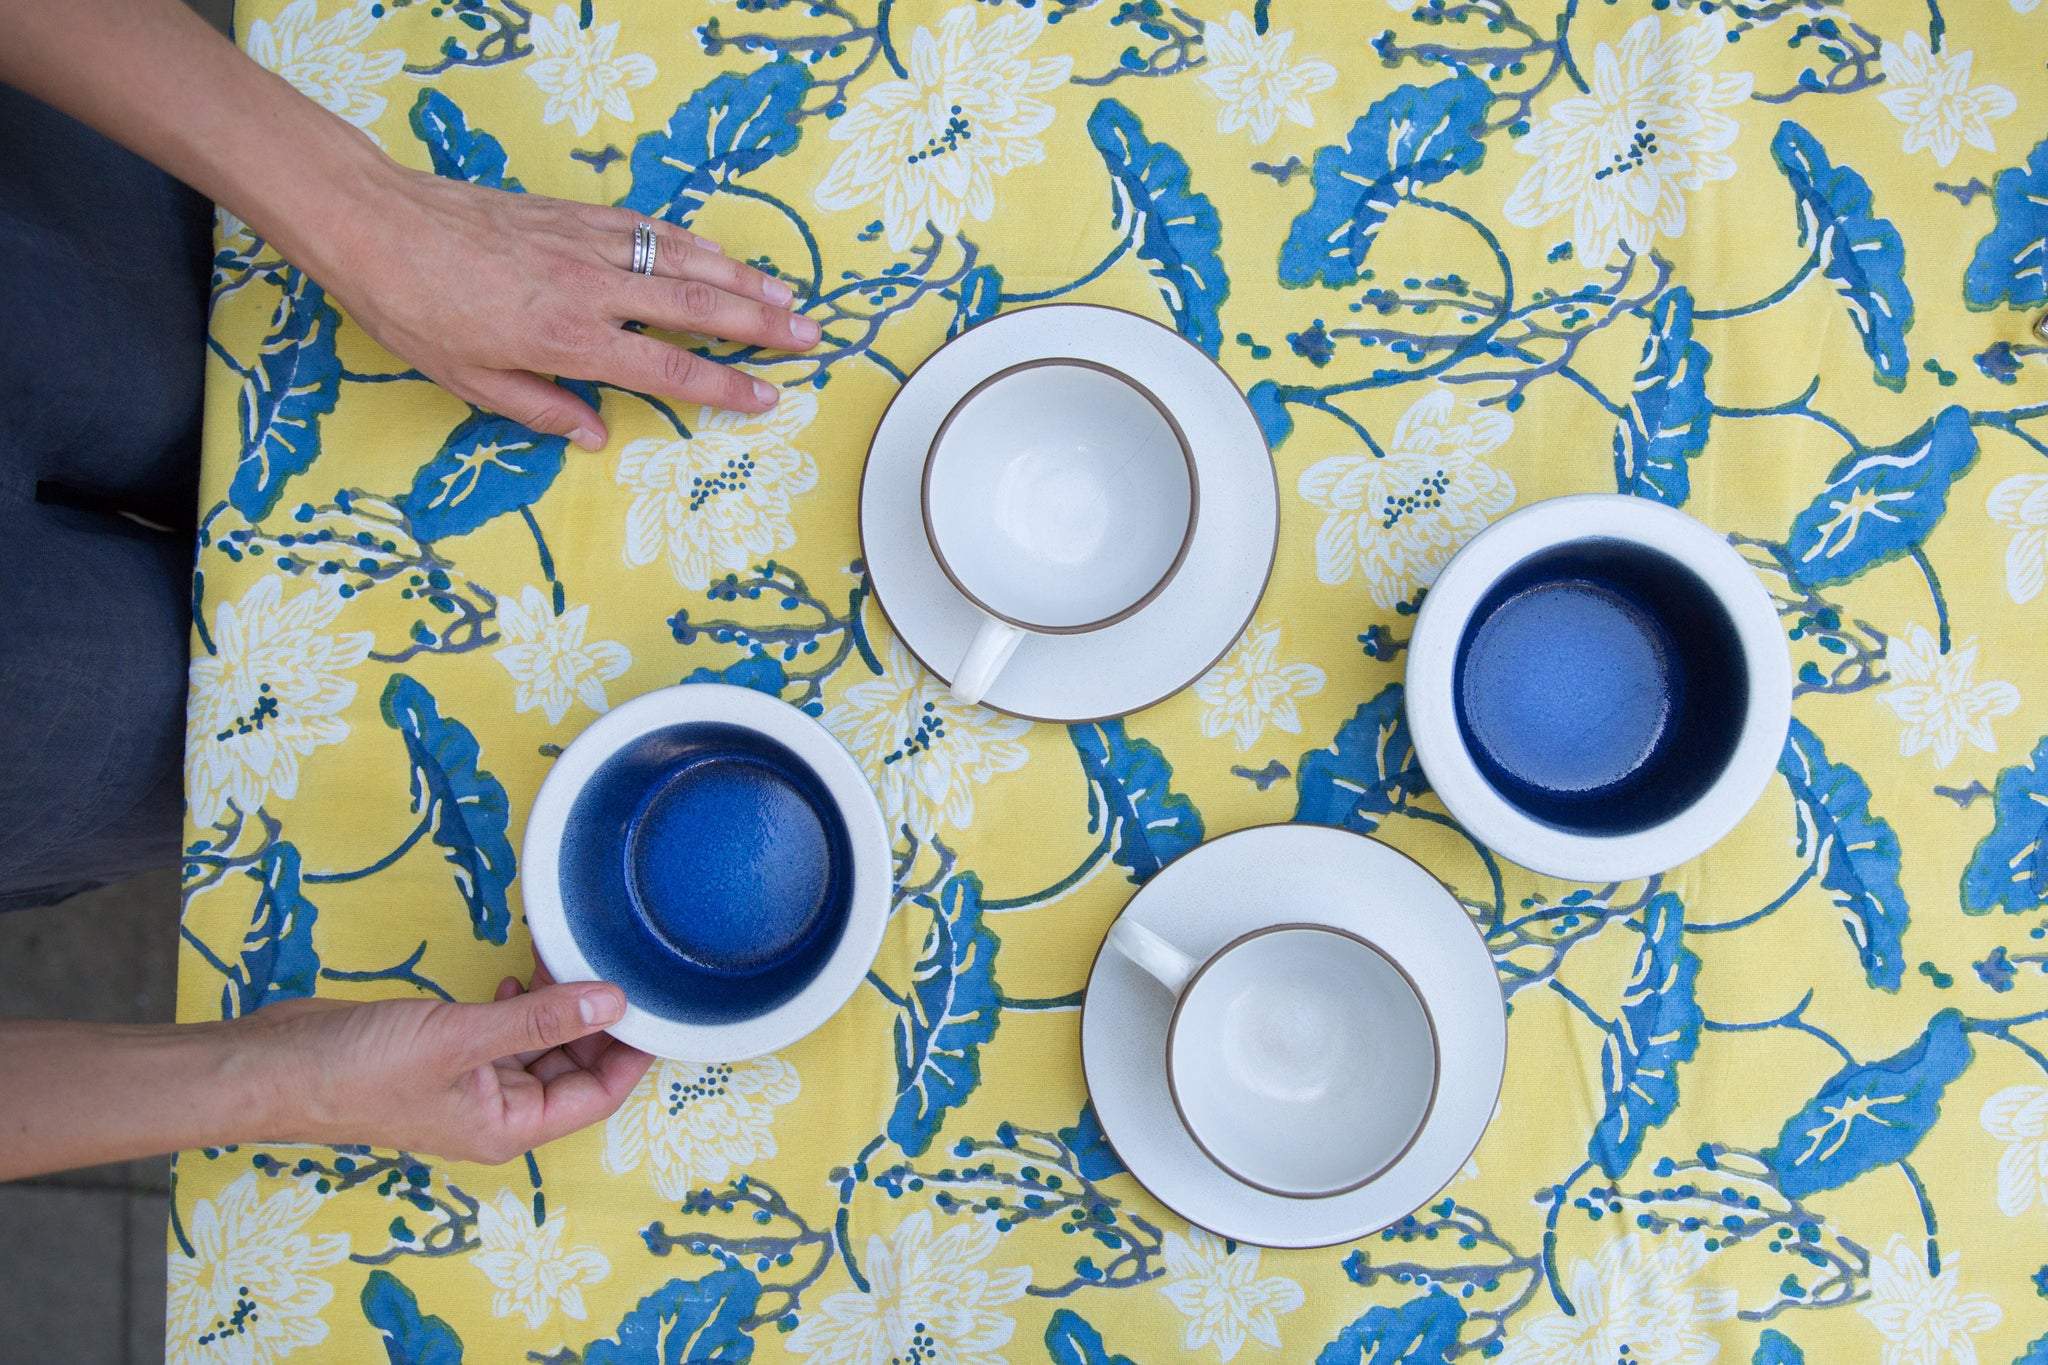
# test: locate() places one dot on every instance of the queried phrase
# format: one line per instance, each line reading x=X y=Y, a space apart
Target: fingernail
x=777 y=293
x=765 y=392
x=707 y=244
x=599 y=1007
x=804 y=329
x=585 y=437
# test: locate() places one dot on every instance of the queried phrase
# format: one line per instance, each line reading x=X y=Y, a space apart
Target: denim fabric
x=103 y=275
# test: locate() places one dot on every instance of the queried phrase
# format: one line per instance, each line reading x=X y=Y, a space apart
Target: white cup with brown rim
x=1300 y=1058
x=1060 y=497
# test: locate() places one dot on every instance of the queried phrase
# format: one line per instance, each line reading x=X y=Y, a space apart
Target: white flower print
x=249 y=1294
x=2018 y=1117
x=1924 y=1319
x=270 y=694
x=932 y=146
x=2020 y=505
x=526 y=1263
x=1930 y=93
x=1252 y=689
x=1220 y=1293
x=718 y=501
x=1935 y=698
x=550 y=665
x=576 y=69
x=698 y=1125
x=319 y=57
x=2025 y=6
x=1254 y=79
x=1620 y=159
x=924 y=751
x=927 y=1301
x=1399 y=519
x=1632 y=1297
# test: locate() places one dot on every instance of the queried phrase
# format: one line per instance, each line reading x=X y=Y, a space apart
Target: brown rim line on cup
x=1428 y=1019
x=881 y=601
x=1180 y=439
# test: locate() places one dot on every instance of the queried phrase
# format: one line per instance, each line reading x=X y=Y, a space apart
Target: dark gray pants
x=103 y=279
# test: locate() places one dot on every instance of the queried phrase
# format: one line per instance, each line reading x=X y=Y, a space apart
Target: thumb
x=538 y=1020
x=533 y=401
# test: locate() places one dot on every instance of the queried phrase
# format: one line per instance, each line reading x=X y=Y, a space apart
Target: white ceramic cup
x=1300 y=1058
x=1059 y=497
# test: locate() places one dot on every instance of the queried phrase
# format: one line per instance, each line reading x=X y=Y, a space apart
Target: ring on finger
x=645 y=245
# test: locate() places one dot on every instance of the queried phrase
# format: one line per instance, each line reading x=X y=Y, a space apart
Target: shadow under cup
x=707 y=871
x=1600 y=687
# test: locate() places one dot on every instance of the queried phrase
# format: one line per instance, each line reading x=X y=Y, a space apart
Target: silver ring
x=645 y=243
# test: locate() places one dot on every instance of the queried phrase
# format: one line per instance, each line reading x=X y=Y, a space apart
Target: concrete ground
x=82 y=1253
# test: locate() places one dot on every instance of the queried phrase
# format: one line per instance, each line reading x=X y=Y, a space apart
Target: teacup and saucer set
x=1293 y=1035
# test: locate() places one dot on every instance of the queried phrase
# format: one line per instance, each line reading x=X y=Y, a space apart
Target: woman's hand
x=484 y=291
x=479 y=1083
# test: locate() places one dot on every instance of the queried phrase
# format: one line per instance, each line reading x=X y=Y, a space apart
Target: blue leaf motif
x=1174 y=228
x=980 y=298
x=2035 y=1354
x=1775 y=1348
x=733 y=125
x=1657 y=1029
x=2010 y=866
x=294 y=383
x=2011 y=263
x=1420 y=1331
x=757 y=671
x=409 y=1339
x=466 y=808
x=1131 y=800
x=1071 y=1339
x=1368 y=770
x=952 y=1009
x=488 y=466
x=1881 y=503
x=457 y=151
x=1414 y=137
x=1276 y=423
x=1856 y=852
x=1870 y=1115
x=1668 y=412
x=685 y=1322
x=1093 y=1156
x=278 y=961
x=1861 y=253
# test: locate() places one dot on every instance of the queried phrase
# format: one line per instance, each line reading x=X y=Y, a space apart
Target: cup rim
x=1180 y=439
x=837 y=978
x=1428 y=1020
x=1432 y=710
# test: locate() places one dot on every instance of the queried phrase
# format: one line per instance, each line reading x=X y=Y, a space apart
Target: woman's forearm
x=154 y=77
x=83 y=1094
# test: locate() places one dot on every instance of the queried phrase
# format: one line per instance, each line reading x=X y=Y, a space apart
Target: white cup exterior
x=1431 y=680
x=1059 y=497
x=1300 y=1058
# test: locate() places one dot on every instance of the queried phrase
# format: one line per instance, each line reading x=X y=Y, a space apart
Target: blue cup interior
x=706 y=869
x=1600 y=687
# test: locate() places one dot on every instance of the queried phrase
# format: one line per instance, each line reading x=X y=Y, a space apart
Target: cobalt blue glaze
x=707 y=871
x=1600 y=687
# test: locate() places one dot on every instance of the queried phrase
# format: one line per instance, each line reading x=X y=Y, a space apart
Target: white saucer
x=1274 y=874
x=1180 y=634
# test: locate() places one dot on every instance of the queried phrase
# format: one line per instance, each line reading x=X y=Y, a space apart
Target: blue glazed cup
x=719 y=856
x=1598 y=687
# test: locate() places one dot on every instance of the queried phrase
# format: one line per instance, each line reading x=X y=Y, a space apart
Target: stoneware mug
x=717 y=854
x=1598 y=687
x=1059 y=497
x=1300 y=1058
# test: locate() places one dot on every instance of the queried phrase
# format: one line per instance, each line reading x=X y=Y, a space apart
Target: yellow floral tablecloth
x=1775 y=262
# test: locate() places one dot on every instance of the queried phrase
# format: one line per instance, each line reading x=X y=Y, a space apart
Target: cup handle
x=1168 y=964
x=993 y=645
